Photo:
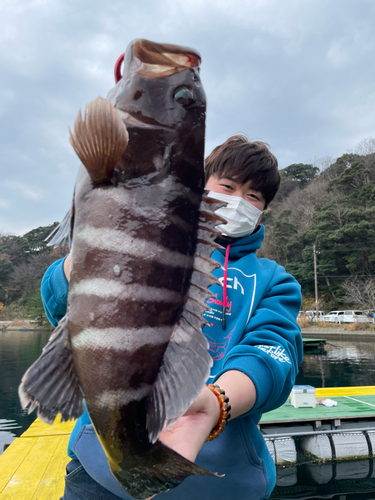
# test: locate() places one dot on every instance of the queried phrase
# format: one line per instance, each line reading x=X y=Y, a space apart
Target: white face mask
x=241 y=215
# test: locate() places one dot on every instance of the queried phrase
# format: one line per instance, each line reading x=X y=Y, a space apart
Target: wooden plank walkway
x=33 y=466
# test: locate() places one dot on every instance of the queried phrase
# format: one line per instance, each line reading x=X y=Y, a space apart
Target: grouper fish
x=142 y=235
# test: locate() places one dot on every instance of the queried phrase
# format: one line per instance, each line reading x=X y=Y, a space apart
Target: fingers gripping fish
x=142 y=235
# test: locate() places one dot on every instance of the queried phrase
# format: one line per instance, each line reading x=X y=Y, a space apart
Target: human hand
x=190 y=432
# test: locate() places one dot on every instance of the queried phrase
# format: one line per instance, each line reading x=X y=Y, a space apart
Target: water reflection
x=18 y=350
x=341 y=480
x=342 y=364
x=6 y=437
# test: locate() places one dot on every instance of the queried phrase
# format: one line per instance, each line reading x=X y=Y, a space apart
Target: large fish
x=142 y=235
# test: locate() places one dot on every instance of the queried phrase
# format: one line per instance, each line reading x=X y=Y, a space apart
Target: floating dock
x=33 y=466
x=313 y=344
x=342 y=432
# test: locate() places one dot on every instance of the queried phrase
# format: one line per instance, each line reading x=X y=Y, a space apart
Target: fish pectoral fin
x=187 y=362
x=61 y=234
x=186 y=367
x=99 y=139
x=51 y=383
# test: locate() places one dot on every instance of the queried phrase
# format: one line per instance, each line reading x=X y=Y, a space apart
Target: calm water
x=340 y=364
x=18 y=350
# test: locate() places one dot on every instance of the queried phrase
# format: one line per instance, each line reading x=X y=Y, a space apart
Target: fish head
x=163 y=104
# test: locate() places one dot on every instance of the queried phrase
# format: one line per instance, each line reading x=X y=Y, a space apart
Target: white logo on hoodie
x=236 y=284
x=275 y=352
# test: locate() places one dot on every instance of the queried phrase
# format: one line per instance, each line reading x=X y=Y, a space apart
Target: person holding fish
x=129 y=300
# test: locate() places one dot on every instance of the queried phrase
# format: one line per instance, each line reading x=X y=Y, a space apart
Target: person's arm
x=67 y=267
x=54 y=291
x=190 y=432
x=271 y=348
x=257 y=375
x=240 y=390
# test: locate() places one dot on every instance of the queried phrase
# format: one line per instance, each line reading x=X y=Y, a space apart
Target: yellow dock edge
x=33 y=466
x=331 y=392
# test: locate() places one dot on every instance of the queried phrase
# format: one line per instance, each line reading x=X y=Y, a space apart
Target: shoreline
x=6 y=328
x=338 y=333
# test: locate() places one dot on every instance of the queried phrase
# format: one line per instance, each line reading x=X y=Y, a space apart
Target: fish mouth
x=146 y=122
x=131 y=120
x=153 y=60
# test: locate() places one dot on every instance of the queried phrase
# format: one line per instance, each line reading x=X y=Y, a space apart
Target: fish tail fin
x=99 y=139
x=51 y=383
x=167 y=470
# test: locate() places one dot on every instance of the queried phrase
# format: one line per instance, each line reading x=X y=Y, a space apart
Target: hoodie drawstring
x=225 y=285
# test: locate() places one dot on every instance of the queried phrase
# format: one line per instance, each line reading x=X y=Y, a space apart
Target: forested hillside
x=23 y=261
x=333 y=209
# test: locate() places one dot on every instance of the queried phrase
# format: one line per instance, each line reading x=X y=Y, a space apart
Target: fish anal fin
x=188 y=361
x=99 y=139
x=51 y=384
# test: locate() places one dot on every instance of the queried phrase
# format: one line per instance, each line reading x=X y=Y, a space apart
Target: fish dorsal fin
x=187 y=362
x=99 y=139
x=51 y=383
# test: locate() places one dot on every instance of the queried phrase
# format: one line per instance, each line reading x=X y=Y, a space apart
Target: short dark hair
x=246 y=160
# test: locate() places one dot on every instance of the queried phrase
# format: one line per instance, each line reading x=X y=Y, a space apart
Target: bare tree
x=366 y=146
x=303 y=203
x=322 y=163
x=28 y=276
x=360 y=292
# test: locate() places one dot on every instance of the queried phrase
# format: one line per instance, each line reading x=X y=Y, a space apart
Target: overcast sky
x=299 y=74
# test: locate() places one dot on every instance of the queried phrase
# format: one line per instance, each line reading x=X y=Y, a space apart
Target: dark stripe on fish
x=128 y=370
x=172 y=230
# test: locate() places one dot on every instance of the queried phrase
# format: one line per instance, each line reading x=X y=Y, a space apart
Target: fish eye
x=184 y=96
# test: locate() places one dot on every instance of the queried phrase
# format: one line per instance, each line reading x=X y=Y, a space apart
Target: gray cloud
x=296 y=74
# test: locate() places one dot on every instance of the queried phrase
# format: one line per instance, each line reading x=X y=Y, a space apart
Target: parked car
x=370 y=314
x=346 y=317
x=310 y=315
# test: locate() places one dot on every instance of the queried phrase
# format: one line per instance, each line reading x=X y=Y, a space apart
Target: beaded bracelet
x=224 y=411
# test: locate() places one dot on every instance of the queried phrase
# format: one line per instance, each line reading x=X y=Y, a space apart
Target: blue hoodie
x=262 y=339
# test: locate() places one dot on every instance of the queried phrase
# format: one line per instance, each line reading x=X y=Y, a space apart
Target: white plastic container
x=303 y=396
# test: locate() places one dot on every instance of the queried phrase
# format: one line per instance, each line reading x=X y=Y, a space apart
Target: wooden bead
x=224 y=411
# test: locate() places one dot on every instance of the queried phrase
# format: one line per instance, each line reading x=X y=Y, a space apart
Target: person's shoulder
x=55 y=270
x=269 y=264
x=279 y=273
x=54 y=281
